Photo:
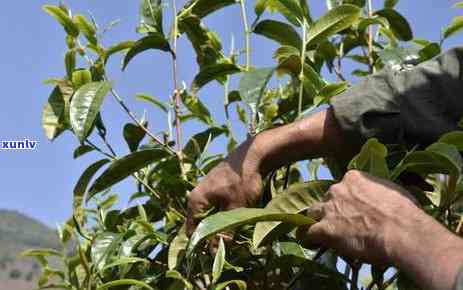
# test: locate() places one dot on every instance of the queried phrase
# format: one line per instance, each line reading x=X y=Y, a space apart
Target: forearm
x=318 y=135
x=427 y=252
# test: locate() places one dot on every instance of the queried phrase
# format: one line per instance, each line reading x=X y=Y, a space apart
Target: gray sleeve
x=414 y=106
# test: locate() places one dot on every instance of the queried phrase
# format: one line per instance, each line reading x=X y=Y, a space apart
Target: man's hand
x=235 y=182
x=378 y=222
x=359 y=215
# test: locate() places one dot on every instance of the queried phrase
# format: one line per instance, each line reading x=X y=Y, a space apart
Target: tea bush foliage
x=145 y=246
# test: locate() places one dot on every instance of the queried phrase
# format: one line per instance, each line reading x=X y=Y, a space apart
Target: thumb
x=314 y=236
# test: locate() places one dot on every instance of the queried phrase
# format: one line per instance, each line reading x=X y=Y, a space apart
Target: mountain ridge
x=19 y=232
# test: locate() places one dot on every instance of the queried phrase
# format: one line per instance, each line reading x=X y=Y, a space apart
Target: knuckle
x=335 y=189
x=193 y=197
x=353 y=175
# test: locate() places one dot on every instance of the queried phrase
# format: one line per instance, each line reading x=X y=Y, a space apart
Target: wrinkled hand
x=235 y=182
x=361 y=216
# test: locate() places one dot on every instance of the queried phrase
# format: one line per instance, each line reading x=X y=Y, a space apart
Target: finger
x=316 y=211
x=197 y=204
x=327 y=196
x=315 y=235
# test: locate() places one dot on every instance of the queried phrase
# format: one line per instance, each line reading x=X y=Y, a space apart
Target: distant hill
x=19 y=232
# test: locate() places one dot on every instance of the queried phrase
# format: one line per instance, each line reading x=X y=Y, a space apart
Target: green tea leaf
x=124 y=282
x=152 y=41
x=177 y=276
x=125 y=45
x=81 y=150
x=70 y=62
x=219 y=262
x=151 y=17
x=124 y=167
x=334 y=89
x=399 y=58
x=238 y=283
x=85 y=106
x=196 y=107
x=290 y=9
x=108 y=202
x=437 y=158
x=41 y=253
x=398 y=24
x=55 y=114
x=204 y=41
x=364 y=23
x=153 y=100
x=330 y=4
x=390 y=3
x=453 y=138
x=81 y=188
x=294 y=8
x=63 y=18
x=213 y=72
x=124 y=261
x=203 y=8
x=296 y=199
x=87 y=28
x=253 y=84
x=81 y=77
x=447 y=154
x=177 y=248
x=224 y=221
x=359 y=3
x=372 y=159
x=196 y=145
x=454 y=27
x=429 y=51
x=336 y=20
x=280 y=32
x=103 y=247
x=242 y=114
x=133 y=135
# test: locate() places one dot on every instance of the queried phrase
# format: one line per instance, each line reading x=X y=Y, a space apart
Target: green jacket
x=412 y=107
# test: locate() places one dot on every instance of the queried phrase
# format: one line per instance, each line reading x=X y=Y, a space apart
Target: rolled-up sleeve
x=413 y=107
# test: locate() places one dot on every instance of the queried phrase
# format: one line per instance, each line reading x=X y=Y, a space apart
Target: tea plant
x=145 y=246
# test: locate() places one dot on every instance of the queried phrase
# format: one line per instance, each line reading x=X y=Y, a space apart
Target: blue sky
x=39 y=183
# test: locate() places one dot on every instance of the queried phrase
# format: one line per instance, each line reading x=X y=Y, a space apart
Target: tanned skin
x=364 y=217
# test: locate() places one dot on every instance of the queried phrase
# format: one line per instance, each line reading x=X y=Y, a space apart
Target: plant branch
x=177 y=97
x=370 y=38
x=96 y=148
x=105 y=141
x=389 y=281
x=247 y=34
x=139 y=124
x=301 y=75
x=338 y=64
x=114 y=157
x=337 y=69
x=355 y=266
x=125 y=107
